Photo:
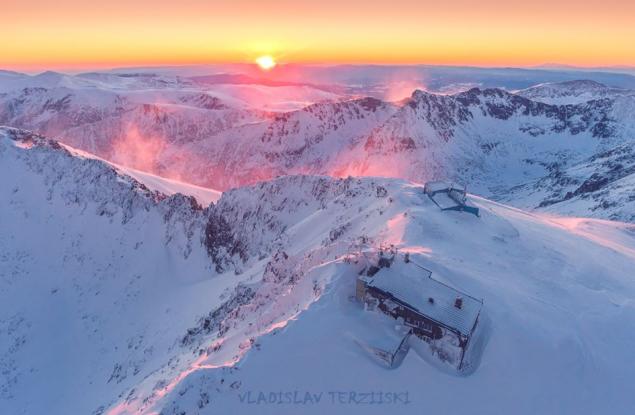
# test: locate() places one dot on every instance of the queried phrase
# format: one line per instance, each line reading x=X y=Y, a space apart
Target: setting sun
x=266 y=62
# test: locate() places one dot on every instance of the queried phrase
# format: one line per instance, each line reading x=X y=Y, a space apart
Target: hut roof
x=413 y=286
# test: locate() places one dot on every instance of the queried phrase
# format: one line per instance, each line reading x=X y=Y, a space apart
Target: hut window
x=458 y=303
x=431 y=300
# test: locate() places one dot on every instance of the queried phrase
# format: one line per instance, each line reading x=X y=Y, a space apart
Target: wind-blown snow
x=156 y=183
x=203 y=195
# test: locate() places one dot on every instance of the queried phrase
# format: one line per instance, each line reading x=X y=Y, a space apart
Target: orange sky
x=50 y=34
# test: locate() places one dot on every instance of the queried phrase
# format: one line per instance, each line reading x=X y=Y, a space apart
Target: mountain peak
x=50 y=75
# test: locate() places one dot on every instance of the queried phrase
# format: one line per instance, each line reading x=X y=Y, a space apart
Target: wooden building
x=435 y=312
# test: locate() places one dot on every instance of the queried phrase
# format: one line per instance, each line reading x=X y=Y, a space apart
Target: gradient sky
x=45 y=34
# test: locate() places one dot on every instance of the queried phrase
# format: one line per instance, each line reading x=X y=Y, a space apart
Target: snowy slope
x=557 y=292
x=95 y=273
x=135 y=302
x=601 y=186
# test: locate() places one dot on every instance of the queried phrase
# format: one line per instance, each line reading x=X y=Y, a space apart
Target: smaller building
x=449 y=197
x=436 y=313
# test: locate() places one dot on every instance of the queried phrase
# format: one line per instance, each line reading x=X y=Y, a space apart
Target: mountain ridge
x=488 y=138
x=165 y=306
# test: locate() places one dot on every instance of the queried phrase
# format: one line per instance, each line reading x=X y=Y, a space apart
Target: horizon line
x=79 y=69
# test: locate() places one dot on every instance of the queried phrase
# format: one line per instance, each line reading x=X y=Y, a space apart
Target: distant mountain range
x=533 y=147
x=573 y=92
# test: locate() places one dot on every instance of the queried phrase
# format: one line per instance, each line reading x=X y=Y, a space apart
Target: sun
x=266 y=62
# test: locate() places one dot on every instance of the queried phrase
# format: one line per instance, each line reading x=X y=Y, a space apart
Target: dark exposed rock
x=214 y=320
x=220 y=242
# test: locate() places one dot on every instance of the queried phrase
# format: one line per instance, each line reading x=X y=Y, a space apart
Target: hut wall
x=360 y=290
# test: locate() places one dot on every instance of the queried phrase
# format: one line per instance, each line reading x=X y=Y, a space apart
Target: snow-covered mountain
x=93 y=266
x=601 y=186
x=191 y=130
x=494 y=140
x=117 y=299
x=490 y=139
x=479 y=136
x=482 y=136
x=134 y=118
x=572 y=92
x=313 y=140
x=111 y=123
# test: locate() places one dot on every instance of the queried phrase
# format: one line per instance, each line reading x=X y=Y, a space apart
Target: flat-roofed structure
x=449 y=197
